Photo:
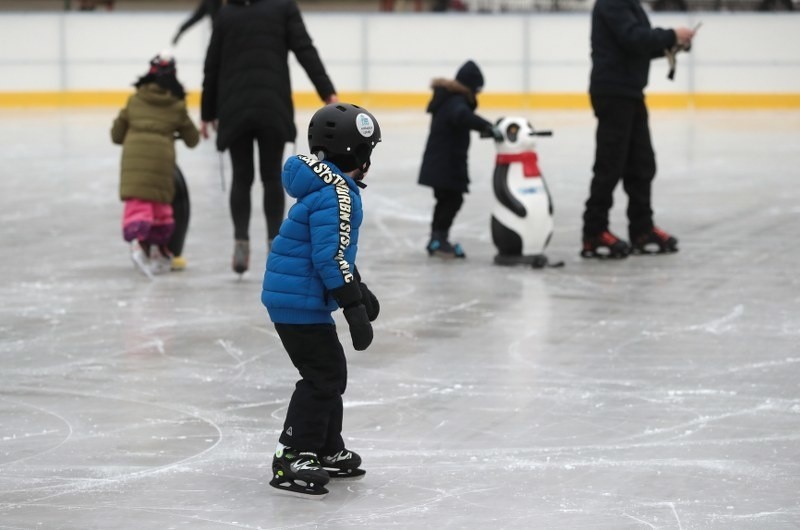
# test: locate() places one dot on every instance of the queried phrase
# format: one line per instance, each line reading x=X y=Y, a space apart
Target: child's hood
x=156 y=95
x=300 y=179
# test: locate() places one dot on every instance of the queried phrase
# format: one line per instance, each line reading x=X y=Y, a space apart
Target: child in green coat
x=153 y=118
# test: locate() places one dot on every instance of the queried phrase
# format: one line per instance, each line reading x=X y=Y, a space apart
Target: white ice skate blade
x=298 y=494
x=347 y=478
x=358 y=474
x=142 y=267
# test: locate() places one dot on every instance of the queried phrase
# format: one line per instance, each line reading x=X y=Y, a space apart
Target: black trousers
x=314 y=418
x=270 y=158
x=448 y=203
x=624 y=152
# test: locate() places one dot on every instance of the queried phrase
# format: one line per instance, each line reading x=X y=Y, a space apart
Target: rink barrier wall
x=308 y=101
x=387 y=60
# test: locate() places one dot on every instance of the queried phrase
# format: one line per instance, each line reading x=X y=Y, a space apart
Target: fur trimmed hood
x=444 y=88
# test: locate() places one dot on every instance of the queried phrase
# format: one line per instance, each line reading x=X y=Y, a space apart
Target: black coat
x=444 y=164
x=247 y=84
x=205 y=7
x=623 y=43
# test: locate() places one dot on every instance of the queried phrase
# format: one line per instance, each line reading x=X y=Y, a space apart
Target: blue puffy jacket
x=315 y=251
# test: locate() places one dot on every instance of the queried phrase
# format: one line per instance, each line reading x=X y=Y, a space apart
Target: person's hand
x=683 y=36
x=492 y=132
x=204 y=127
x=370 y=302
x=333 y=98
x=360 y=328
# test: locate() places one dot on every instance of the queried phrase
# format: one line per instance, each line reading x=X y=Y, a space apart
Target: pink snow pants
x=147 y=221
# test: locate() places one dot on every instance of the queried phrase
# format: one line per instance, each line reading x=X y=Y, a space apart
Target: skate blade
x=144 y=268
x=447 y=256
x=588 y=254
x=292 y=490
x=345 y=474
x=654 y=252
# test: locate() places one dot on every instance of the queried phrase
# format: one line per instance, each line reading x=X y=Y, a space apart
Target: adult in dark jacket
x=444 y=163
x=247 y=96
x=623 y=44
x=205 y=7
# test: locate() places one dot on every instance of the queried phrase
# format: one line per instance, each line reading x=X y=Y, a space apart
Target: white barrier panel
x=402 y=52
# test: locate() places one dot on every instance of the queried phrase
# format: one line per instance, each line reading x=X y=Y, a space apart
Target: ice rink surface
x=655 y=393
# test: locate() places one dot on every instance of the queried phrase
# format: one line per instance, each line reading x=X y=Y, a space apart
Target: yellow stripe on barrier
x=386 y=100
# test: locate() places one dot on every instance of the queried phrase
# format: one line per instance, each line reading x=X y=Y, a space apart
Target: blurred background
x=409 y=5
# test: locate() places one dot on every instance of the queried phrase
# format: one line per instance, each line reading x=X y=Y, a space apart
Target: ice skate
x=160 y=260
x=299 y=474
x=441 y=248
x=655 y=241
x=343 y=465
x=141 y=258
x=241 y=256
x=605 y=245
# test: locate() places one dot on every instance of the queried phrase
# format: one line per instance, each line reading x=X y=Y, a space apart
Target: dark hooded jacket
x=623 y=44
x=452 y=109
x=205 y=7
x=246 y=84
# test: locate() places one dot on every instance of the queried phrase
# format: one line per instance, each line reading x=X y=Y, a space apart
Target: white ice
x=655 y=392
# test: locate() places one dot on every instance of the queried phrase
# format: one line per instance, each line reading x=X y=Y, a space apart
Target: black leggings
x=270 y=157
x=314 y=417
x=448 y=203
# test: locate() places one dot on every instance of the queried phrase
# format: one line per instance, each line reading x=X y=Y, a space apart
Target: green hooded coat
x=147 y=129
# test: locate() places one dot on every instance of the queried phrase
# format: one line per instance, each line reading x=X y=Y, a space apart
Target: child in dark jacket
x=147 y=128
x=310 y=273
x=444 y=164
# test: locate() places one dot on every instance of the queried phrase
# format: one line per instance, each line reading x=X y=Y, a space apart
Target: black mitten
x=360 y=328
x=370 y=302
x=490 y=131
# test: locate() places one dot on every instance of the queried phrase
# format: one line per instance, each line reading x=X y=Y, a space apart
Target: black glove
x=360 y=328
x=492 y=132
x=370 y=302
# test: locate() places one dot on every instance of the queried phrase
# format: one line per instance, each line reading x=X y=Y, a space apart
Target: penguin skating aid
x=522 y=214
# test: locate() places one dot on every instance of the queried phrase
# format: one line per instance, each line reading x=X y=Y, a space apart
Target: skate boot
x=299 y=474
x=605 y=245
x=441 y=248
x=343 y=465
x=140 y=256
x=656 y=241
x=241 y=256
x=160 y=260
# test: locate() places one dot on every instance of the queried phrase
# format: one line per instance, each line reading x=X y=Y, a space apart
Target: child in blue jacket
x=311 y=272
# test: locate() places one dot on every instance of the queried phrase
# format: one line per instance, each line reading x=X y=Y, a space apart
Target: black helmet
x=345 y=134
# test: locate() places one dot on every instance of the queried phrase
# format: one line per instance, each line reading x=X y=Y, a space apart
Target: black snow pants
x=624 y=151
x=314 y=418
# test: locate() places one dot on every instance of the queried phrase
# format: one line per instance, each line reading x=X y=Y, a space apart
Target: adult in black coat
x=247 y=96
x=205 y=7
x=444 y=163
x=623 y=44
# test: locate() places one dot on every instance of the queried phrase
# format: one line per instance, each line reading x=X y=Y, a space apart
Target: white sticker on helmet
x=364 y=125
